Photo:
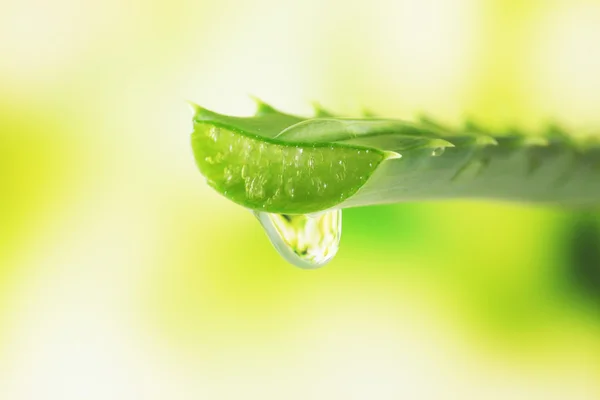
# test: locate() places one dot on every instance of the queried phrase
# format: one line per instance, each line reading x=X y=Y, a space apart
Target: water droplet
x=214 y=133
x=228 y=175
x=318 y=184
x=438 y=151
x=289 y=187
x=218 y=158
x=311 y=162
x=254 y=188
x=307 y=241
x=247 y=149
x=245 y=171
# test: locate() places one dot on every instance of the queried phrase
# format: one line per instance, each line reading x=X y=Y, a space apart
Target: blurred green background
x=124 y=276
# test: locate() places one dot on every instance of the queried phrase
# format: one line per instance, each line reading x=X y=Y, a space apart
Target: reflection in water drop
x=307 y=241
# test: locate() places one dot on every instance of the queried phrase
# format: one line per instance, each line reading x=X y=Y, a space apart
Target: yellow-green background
x=124 y=276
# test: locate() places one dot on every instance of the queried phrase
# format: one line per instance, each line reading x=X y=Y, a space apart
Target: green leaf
x=280 y=163
x=241 y=160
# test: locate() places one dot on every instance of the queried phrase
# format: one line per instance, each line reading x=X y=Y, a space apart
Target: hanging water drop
x=307 y=241
x=438 y=151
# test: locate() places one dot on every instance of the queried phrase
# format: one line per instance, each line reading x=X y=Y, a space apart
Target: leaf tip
x=262 y=108
x=390 y=155
x=485 y=140
x=319 y=111
x=472 y=126
x=367 y=113
x=195 y=108
x=437 y=143
x=430 y=122
x=535 y=141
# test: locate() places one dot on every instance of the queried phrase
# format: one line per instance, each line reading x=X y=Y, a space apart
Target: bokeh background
x=124 y=276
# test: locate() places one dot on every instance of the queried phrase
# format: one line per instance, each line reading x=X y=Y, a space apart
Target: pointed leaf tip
x=194 y=107
x=432 y=123
x=437 y=143
x=390 y=155
x=262 y=108
x=535 y=141
x=320 y=112
x=368 y=113
x=474 y=127
x=485 y=140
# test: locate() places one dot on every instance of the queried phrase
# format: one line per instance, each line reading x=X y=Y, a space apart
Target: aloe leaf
x=509 y=168
x=296 y=174
x=279 y=163
x=242 y=159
